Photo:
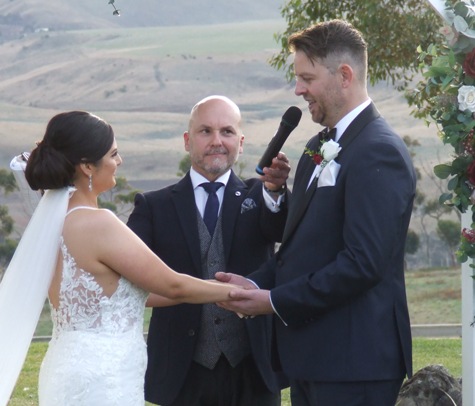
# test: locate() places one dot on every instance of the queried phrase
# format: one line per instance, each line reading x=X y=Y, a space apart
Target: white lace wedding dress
x=97 y=355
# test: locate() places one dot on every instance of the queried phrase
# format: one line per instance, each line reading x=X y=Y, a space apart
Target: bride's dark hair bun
x=48 y=169
x=71 y=138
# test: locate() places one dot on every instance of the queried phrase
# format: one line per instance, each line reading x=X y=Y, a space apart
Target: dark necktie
x=212 y=205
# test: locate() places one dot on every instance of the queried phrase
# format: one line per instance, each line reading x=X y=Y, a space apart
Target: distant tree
x=240 y=166
x=6 y=223
x=419 y=208
x=393 y=30
x=449 y=231
x=411 y=144
x=119 y=199
x=7 y=249
x=419 y=213
x=413 y=242
x=7 y=181
x=434 y=209
x=7 y=245
x=424 y=210
x=184 y=165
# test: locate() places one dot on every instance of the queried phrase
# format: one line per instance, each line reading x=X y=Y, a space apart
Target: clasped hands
x=245 y=302
x=251 y=301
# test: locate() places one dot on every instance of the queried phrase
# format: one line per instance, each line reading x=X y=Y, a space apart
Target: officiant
x=211 y=220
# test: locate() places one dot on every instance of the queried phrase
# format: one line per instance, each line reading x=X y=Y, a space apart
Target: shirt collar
x=343 y=124
x=197 y=179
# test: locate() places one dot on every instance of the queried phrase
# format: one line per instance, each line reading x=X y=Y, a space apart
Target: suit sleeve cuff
x=275 y=310
x=273 y=200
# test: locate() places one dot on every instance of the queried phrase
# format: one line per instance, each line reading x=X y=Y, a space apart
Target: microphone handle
x=275 y=145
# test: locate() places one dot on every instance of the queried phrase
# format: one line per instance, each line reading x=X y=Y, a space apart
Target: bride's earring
x=90 y=183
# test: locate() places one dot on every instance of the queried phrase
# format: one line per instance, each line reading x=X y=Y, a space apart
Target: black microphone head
x=291 y=117
x=290 y=120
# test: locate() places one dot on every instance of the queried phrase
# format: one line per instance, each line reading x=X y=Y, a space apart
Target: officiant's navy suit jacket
x=166 y=220
x=337 y=281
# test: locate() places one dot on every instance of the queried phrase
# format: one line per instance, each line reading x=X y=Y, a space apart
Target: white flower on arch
x=466 y=98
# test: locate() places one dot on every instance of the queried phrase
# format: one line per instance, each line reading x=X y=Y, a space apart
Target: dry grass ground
x=434 y=296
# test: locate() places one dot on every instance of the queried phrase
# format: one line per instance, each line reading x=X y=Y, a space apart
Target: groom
x=336 y=286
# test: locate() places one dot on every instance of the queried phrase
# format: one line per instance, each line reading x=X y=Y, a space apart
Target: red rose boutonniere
x=315 y=155
x=328 y=150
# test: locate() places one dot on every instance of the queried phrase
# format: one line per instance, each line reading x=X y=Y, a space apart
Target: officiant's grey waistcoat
x=221 y=331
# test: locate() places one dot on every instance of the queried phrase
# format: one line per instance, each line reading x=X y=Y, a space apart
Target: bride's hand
x=234 y=279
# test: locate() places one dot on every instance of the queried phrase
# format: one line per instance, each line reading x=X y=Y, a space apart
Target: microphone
x=290 y=120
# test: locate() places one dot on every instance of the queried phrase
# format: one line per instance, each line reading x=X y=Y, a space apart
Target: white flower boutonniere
x=328 y=151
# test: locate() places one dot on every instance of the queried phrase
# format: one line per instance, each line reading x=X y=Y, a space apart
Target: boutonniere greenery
x=328 y=150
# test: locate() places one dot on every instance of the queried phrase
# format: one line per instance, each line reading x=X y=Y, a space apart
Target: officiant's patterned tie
x=212 y=205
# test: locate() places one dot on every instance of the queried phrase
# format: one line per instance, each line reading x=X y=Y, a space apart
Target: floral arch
x=447 y=95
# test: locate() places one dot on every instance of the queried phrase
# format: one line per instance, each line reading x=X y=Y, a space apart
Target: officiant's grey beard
x=217 y=161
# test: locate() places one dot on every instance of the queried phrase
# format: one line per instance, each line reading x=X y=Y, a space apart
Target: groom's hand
x=248 y=302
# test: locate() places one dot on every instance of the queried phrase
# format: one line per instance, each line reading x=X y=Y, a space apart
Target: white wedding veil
x=25 y=284
x=29 y=196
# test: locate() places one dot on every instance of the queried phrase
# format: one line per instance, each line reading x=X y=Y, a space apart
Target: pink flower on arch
x=469 y=235
x=450 y=34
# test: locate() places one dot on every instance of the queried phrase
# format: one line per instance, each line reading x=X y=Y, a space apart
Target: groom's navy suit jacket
x=337 y=281
x=166 y=220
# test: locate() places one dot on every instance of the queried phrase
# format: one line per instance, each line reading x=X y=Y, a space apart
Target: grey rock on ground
x=431 y=386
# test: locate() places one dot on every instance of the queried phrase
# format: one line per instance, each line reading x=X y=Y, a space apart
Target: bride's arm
x=154 y=300
x=120 y=249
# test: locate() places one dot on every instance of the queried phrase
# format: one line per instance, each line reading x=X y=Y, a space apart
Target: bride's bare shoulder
x=91 y=218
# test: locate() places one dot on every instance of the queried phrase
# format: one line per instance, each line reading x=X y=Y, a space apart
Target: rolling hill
x=97 y=14
x=143 y=72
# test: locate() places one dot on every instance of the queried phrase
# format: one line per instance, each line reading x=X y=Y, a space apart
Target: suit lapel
x=183 y=198
x=369 y=114
x=234 y=194
x=302 y=196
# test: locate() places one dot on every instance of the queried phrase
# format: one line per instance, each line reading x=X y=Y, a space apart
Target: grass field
x=434 y=296
x=446 y=352
x=196 y=40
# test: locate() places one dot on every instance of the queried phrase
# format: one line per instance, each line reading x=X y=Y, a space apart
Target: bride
x=97 y=273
